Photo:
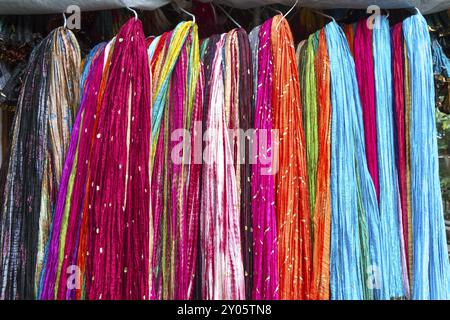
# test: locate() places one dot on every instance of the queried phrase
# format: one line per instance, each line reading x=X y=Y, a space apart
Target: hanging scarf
x=364 y=63
x=157 y=55
x=407 y=91
x=208 y=50
x=57 y=243
x=185 y=112
x=264 y=225
x=399 y=119
x=254 y=45
x=175 y=204
x=220 y=241
x=67 y=59
x=388 y=197
x=320 y=282
x=238 y=94
x=292 y=199
x=430 y=260
x=309 y=102
x=193 y=192
x=76 y=247
x=231 y=71
x=441 y=64
x=121 y=212
x=349 y=30
x=355 y=243
x=40 y=139
x=170 y=52
x=246 y=123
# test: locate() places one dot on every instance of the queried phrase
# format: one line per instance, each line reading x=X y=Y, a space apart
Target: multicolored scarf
x=399 y=120
x=246 y=121
x=40 y=138
x=90 y=82
x=105 y=224
x=176 y=169
x=220 y=241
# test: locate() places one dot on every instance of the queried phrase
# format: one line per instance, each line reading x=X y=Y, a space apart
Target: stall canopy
x=55 y=6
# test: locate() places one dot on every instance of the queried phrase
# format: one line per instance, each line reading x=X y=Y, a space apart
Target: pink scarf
x=366 y=85
x=220 y=243
x=265 y=247
x=118 y=203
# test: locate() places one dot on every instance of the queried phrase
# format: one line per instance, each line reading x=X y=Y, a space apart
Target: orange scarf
x=320 y=288
x=292 y=196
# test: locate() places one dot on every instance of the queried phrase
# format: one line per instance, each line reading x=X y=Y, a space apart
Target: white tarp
x=58 y=6
x=425 y=6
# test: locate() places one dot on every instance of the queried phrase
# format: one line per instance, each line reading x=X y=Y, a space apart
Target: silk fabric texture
x=32 y=171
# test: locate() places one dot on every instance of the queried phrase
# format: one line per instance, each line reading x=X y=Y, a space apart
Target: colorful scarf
x=246 y=123
x=264 y=225
x=399 y=120
x=220 y=241
x=208 y=52
x=57 y=243
x=320 y=283
x=309 y=102
x=291 y=180
x=40 y=139
x=349 y=30
x=176 y=170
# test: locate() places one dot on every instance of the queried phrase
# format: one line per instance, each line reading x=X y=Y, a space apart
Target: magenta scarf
x=265 y=248
x=193 y=196
x=118 y=200
x=177 y=232
x=366 y=85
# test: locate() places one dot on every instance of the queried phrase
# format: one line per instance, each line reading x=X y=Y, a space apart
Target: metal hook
x=134 y=11
x=417 y=9
x=285 y=15
x=214 y=12
x=323 y=15
x=188 y=13
x=229 y=16
x=65 y=20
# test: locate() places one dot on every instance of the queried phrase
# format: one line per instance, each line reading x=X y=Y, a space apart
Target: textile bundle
x=430 y=267
x=178 y=101
x=233 y=167
x=265 y=262
x=32 y=171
